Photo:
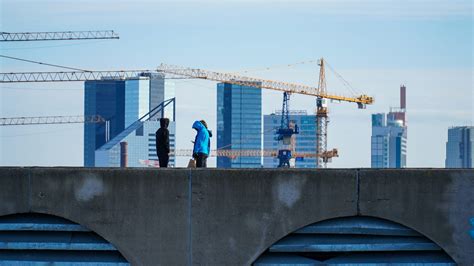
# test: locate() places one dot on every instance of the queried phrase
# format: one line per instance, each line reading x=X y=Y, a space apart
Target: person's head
x=164 y=122
x=199 y=125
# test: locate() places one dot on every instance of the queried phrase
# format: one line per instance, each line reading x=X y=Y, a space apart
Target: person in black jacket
x=163 y=142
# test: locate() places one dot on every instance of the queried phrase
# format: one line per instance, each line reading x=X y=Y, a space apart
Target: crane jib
x=259 y=83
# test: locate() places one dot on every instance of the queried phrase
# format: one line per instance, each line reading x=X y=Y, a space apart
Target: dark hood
x=164 y=122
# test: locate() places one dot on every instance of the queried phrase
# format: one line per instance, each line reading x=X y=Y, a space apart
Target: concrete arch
x=420 y=229
x=30 y=234
x=326 y=240
x=93 y=227
x=305 y=222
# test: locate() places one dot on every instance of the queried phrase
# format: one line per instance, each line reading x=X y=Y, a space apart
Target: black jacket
x=163 y=137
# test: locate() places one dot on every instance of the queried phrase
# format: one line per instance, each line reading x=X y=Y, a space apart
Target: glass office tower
x=107 y=99
x=389 y=136
x=388 y=142
x=305 y=141
x=239 y=123
x=459 y=147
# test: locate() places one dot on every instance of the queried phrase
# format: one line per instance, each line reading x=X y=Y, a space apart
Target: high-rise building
x=305 y=141
x=389 y=137
x=107 y=99
x=239 y=123
x=121 y=103
x=459 y=147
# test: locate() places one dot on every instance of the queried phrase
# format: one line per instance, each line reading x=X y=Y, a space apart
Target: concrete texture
x=436 y=203
x=143 y=213
x=222 y=217
x=236 y=216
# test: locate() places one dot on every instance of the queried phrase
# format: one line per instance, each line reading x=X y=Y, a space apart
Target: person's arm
x=167 y=140
x=194 y=146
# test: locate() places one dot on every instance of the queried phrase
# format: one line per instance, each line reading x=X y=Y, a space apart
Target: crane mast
x=322 y=120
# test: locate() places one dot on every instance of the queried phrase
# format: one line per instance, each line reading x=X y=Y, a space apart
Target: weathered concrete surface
x=222 y=217
x=436 y=203
x=237 y=215
x=14 y=190
x=142 y=212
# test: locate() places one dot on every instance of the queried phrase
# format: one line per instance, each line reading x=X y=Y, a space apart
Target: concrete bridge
x=234 y=217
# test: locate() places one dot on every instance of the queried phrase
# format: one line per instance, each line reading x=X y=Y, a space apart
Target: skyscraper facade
x=121 y=103
x=161 y=89
x=239 y=123
x=459 y=147
x=305 y=141
x=389 y=137
x=107 y=99
x=137 y=99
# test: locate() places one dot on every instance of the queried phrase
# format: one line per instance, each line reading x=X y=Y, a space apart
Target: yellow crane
x=231 y=78
x=322 y=154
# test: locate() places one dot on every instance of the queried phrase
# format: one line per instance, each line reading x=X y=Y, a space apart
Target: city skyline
x=425 y=47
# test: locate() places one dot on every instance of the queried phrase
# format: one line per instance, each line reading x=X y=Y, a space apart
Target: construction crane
x=285 y=134
x=320 y=92
x=57 y=35
x=44 y=120
x=290 y=88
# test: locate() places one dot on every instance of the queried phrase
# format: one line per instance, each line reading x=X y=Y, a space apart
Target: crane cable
x=42 y=63
x=277 y=66
x=346 y=84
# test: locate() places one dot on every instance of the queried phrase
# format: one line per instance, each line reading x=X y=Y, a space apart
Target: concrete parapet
x=218 y=217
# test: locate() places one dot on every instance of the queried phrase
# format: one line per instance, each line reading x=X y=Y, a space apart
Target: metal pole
x=174 y=109
x=123 y=154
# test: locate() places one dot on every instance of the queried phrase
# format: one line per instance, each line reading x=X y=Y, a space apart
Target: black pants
x=163 y=158
x=201 y=160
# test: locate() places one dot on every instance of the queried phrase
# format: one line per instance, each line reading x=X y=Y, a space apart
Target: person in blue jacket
x=202 y=143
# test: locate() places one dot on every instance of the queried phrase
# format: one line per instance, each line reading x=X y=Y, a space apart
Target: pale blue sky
x=375 y=45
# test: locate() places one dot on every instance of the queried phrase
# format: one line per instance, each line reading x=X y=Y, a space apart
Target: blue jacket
x=202 y=143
